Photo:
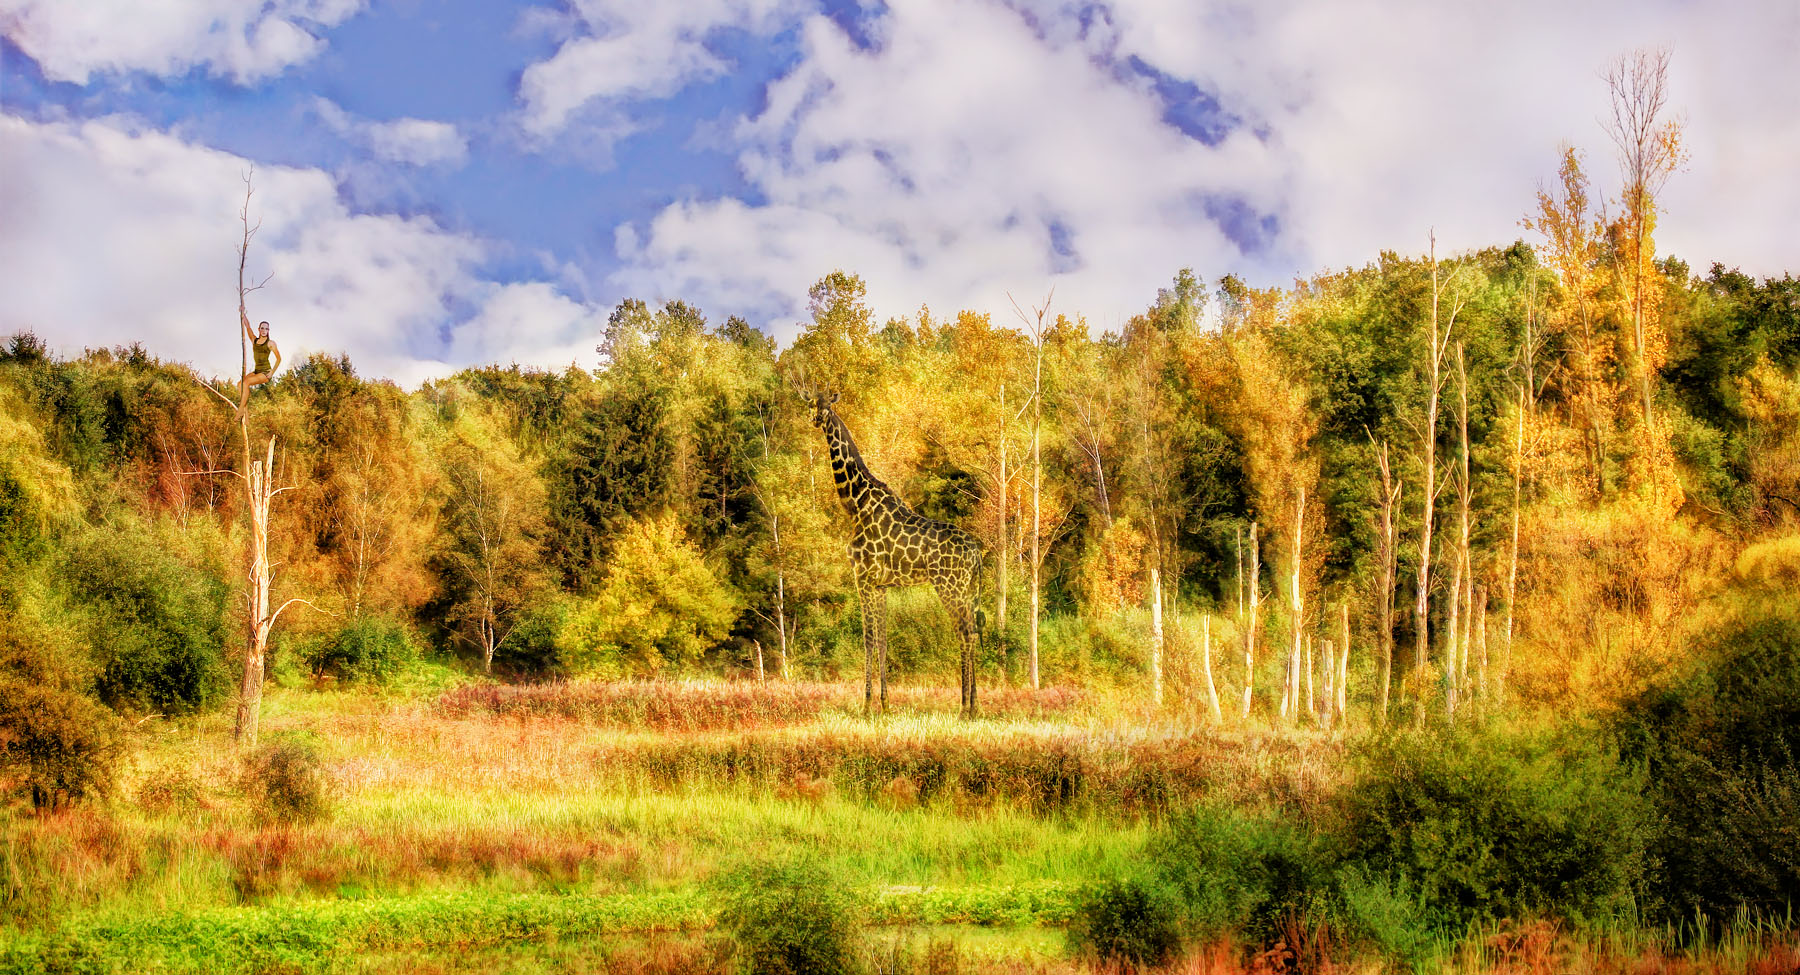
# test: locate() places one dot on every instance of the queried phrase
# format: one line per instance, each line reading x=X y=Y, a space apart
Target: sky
x=447 y=183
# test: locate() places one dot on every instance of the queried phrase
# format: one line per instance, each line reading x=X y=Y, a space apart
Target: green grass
x=309 y=935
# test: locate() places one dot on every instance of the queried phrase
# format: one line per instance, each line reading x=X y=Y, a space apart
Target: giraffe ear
x=834 y=397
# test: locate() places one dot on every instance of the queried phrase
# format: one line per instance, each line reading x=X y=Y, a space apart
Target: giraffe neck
x=861 y=491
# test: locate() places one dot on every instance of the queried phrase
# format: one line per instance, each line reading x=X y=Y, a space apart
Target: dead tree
x=1387 y=567
x=1250 y=630
x=257 y=475
x=1437 y=343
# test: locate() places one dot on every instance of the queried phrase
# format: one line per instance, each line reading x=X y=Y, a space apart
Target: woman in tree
x=267 y=356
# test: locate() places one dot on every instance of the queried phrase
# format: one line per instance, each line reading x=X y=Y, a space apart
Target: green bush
x=368 y=648
x=1721 y=746
x=533 y=649
x=60 y=746
x=1128 y=923
x=659 y=608
x=792 y=918
x=1488 y=827
x=286 y=783
x=1237 y=872
x=156 y=625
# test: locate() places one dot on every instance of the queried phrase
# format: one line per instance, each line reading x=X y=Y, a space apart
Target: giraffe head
x=821 y=403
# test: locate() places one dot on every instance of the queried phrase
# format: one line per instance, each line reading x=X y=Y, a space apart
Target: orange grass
x=683 y=706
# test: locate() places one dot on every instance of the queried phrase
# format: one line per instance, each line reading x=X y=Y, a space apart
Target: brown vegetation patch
x=742 y=705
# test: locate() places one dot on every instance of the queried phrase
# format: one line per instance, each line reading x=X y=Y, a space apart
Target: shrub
x=793 y=918
x=1485 y=827
x=286 y=782
x=1237 y=872
x=660 y=606
x=61 y=745
x=1128 y=923
x=533 y=648
x=368 y=648
x=1721 y=746
x=157 y=626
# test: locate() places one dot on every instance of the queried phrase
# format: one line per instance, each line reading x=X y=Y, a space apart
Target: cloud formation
x=127 y=235
x=407 y=141
x=621 y=51
x=951 y=152
x=242 y=40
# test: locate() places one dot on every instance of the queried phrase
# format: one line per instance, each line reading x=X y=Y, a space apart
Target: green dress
x=261 y=351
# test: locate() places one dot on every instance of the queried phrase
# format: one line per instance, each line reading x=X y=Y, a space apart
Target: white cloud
x=244 y=40
x=408 y=141
x=948 y=173
x=625 y=51
x=529 y=322
x=122 y=235
x=945 y=164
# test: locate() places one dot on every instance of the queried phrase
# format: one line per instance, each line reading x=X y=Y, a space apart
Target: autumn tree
x=496 y=515
x=1650 y=150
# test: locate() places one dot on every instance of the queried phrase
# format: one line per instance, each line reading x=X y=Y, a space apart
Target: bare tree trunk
x=1387 y=555
x=1296 y=599
x=258 y=491
x=1343 y=677
x=1312 y=700
x=1005 y=555
x=1481 y=661
x=1156 y=636
x=1436 y=346
x=1037 y=481
x=1250 y=630
x=761 y=676
x=1457 y=660
x=1212 y=690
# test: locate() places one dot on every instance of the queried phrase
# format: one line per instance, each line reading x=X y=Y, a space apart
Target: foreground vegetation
x=378 y=829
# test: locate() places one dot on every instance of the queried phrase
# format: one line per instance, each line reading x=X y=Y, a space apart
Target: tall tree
x=1649 y=152
x=1438 y=329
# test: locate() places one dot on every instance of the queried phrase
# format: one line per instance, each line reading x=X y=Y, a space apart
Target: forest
x=1457 y=562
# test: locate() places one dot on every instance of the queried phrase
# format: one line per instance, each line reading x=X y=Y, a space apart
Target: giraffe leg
x=957 y=603
x=872 y=599
x=881 y=644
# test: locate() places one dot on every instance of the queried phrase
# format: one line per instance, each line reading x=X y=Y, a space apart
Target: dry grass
x=691 y=706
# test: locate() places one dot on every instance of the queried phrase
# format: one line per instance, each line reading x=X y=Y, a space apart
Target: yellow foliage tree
x=658 y=608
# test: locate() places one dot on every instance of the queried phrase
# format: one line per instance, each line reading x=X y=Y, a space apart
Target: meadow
x=443 y=824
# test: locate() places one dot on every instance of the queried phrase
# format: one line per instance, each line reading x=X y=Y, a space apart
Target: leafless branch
x=277 y=614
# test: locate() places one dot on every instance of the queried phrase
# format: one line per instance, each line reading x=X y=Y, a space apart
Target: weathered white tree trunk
x=1296 y=601
x=1343 y=677
x=1212 y=690
x=1005 y=554
x=258 y=491
x=1156 y=636
x=1250 y=630
x=1437 y=344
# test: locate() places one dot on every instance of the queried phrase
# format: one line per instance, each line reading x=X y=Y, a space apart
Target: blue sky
x=450 y=183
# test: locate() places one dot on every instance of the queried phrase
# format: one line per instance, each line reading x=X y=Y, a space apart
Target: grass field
x=580 y=828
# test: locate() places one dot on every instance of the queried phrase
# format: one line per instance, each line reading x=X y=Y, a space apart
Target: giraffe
x=893 y=545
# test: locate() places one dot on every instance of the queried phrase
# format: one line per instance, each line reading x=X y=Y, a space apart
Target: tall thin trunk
x=1312 y=700
x=1343 y=660
x=1296 y=599
x=1156 y=636
x=1512 y=568
x=1457 y=661
x=1212 y=690
x=1481 y=660
x=259 y=490
x=1387 y=555
x=1037 y=479
x=1250 y=630
x=1005 y=556
x=1428 y=504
